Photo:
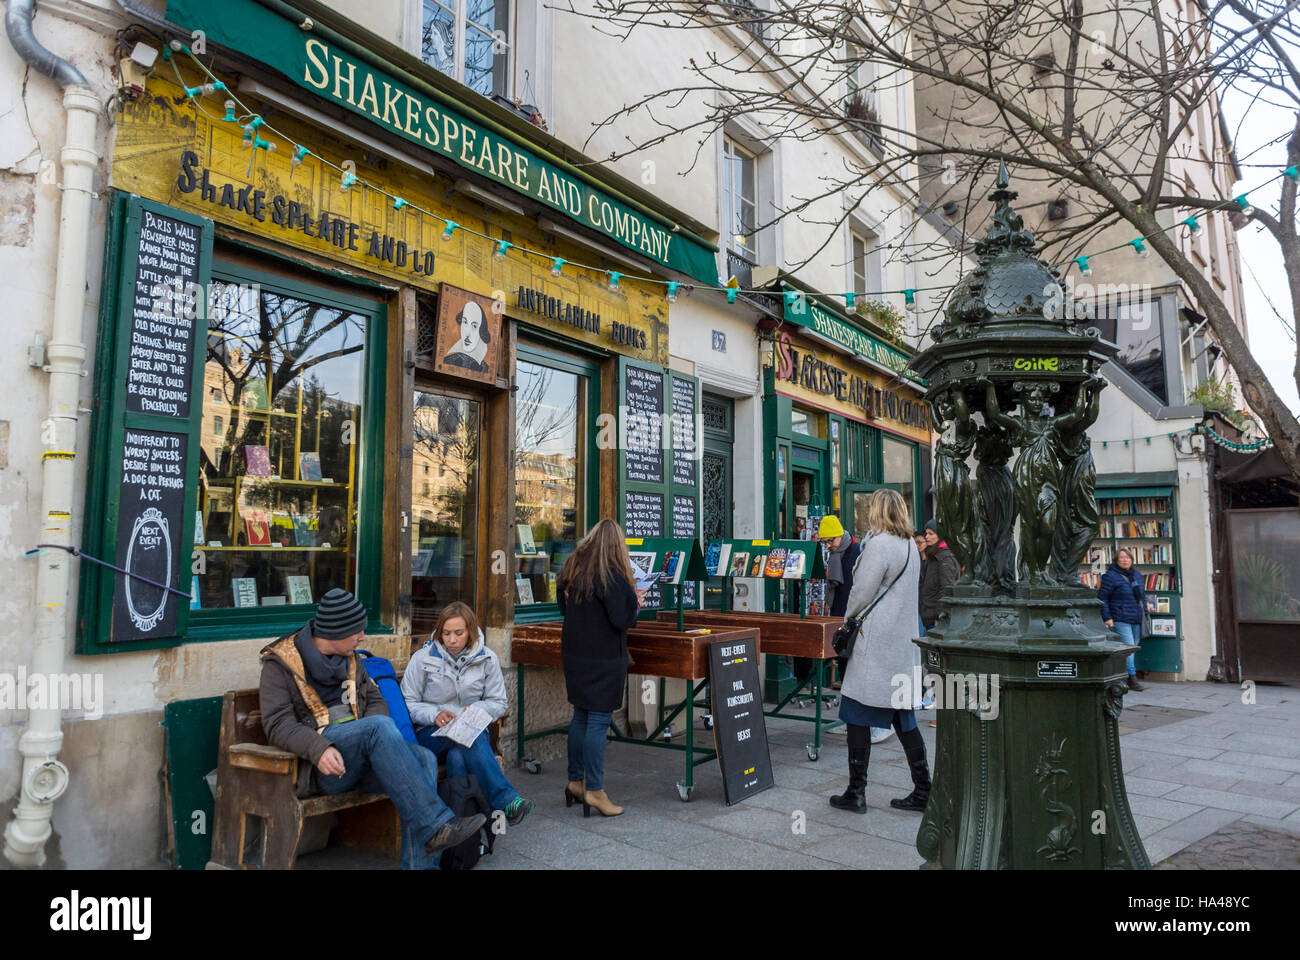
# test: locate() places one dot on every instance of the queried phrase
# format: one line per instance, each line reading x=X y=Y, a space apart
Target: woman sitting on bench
x=455 y=670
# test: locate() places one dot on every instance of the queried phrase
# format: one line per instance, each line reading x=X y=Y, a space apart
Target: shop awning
x=341 y=71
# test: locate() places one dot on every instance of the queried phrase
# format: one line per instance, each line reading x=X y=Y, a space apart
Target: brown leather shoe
x=1134 y=685
x=599 y=800
x=573 y=793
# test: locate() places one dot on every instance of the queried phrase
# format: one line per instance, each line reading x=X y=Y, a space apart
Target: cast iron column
x=1031 y=683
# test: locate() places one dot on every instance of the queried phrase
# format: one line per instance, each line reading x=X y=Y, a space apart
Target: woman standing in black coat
x=599 y=601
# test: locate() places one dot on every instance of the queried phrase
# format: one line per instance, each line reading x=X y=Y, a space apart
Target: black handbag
x=847 y=635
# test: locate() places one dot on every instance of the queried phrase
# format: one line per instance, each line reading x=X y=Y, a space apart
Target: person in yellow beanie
x=844 y=552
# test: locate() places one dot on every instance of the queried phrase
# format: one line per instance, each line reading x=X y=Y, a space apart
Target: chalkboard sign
x=643 y=424
x=145 y=445
x=164 y=312
x=643 y=514
x=685 y=519
x=684 y=452
x=150 y=518
x=739 y=730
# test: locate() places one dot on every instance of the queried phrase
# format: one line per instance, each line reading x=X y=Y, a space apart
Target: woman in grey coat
x=878 y=688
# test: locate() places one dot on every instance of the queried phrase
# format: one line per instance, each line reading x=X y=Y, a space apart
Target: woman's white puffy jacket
x=435 y=681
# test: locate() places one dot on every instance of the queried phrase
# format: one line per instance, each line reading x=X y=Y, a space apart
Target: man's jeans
x=587 y=747
x=477 y=759
x=1128 y=632
x=379 y=760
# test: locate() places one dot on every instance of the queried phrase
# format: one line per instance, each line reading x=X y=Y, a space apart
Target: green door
x=856 y=493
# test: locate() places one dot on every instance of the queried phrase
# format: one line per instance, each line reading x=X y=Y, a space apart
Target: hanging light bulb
x=230 y=112
x=299 y=155
x=500 y=253
x=848 y=300
x=1292 y=172
x=1194 y=227
x=451 y=228
x=398 y=203
x=557 y=266
x=613 y=278
x=345 y=184
x=1084 y=269
x=1139 y=248
x=204 y=89
x=909 y=300
x=731 y=294
x=672 y=292
x=1246 y=209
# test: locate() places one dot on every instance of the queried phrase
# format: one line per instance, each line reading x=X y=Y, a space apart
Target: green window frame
x=227 y=623
x=537 y=350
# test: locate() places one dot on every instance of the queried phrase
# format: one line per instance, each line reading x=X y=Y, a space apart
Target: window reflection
x=281 y=426
x=548 y=424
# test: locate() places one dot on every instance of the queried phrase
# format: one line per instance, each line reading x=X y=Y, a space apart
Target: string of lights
x=253 y=125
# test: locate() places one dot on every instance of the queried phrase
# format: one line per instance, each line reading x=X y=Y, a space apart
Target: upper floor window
x=469 y=40
x=866 y=262
x=861 y=105
x=740 y=197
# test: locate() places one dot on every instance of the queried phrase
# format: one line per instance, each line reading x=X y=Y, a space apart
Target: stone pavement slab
x=1210 y=780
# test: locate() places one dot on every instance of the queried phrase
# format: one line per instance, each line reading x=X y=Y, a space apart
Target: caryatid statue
x=1076 y=522
x=952 y=489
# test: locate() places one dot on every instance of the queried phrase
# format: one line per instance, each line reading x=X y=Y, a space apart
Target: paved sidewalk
x=1198 y=762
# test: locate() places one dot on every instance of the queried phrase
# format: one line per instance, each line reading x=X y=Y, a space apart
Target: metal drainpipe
x=44 y=777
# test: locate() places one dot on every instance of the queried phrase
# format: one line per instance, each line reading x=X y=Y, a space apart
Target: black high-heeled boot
x=855 y=797
x=914 y=747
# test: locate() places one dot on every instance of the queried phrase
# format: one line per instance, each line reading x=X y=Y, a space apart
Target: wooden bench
x=259 y=817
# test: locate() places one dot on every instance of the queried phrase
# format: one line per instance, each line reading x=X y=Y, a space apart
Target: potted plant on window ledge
x=865 y=121
x=891 y=324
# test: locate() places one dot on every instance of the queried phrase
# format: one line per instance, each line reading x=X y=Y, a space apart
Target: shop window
x=283 y=456
x=808 y=423
x=469 y=40
x=552 y=489
x=900 y=468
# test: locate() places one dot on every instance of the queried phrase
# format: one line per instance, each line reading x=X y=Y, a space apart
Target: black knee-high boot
x=855 y=797
x=914 y=747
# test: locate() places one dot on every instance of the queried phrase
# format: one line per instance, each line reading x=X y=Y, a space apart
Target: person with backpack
x=883 y=602
x=1123 y=602
x=318 y=702
x=453 y=670
x=597 y=594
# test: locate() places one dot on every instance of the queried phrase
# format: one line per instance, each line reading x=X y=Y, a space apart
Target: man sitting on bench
x=318 y=702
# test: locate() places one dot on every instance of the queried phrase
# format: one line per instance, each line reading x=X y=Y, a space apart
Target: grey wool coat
x=884 y=649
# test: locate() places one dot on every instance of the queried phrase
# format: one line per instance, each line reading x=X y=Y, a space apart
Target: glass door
x=445 y=479
x=856 y=494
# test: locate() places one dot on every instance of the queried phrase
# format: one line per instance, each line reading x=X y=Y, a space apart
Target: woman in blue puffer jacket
x=1123 y=602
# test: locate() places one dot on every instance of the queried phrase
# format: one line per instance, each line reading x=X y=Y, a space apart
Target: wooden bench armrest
x=261 y=756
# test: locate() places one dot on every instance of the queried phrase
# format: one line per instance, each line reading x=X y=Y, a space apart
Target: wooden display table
x=783 y=635
x=655 y=649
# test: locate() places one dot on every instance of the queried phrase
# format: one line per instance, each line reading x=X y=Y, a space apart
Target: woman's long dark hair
x=598 y=558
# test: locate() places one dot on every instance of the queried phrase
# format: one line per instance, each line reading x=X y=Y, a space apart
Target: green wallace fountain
x=1030 y=776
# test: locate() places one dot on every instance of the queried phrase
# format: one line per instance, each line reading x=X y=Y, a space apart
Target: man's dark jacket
x=288 y=721
x=941 y=572
x=840 y=596
x=593 y=644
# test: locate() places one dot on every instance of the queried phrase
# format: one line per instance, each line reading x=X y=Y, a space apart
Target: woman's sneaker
x=881 y=734
x=517 y=809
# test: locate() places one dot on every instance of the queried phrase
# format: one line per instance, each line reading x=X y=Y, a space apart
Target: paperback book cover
x=739 y=561
x=643 y=563
x=303 y=534
x=245 y=589
x=672 y=568
x=756 y=565
x=257 y=461
x=309 y=466
x=527 y=545
x=257 y=530
x=716 y=558
x=299 y=590
x=793 y=566
x=776 y=561
x=524 y=589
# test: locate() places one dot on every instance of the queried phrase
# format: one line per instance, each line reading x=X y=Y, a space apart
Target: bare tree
x=1092 y=98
